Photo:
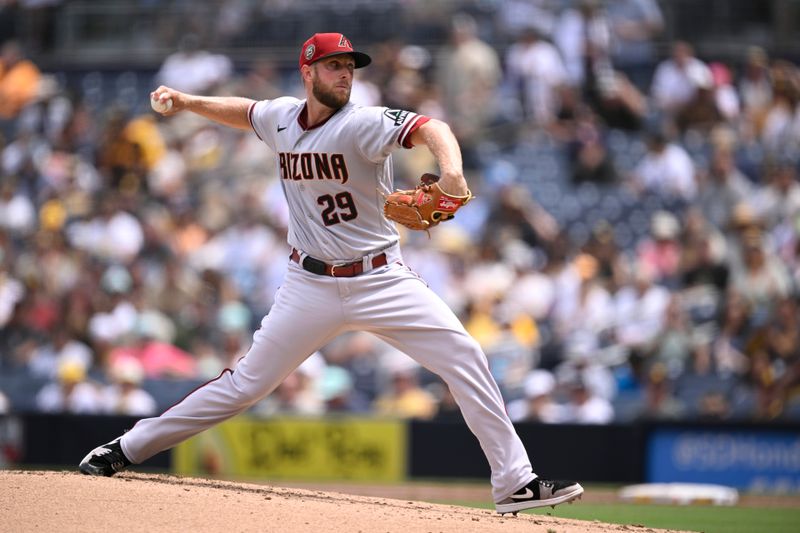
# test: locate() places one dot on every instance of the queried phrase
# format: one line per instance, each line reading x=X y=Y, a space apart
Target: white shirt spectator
x=118 y=322
x=194 y=72
x=571 y=35
x=538 y=68
x=17 y=213
x=781 y=131
x=674 y=86
x=5 y=405
x=534 y=294
x=11 y=292
x=640 y=314
x=594 y=410
x=120 y=237
x=669 y=172
x=775 y=205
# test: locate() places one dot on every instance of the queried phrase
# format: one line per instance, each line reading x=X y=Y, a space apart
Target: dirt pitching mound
x=67 y=501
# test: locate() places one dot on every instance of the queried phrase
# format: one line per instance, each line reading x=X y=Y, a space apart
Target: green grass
x=692 y=518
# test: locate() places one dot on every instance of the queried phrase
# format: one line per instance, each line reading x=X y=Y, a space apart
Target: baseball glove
x=425 y=206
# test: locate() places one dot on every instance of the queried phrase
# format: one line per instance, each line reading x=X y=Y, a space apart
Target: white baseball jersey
x=335 y=173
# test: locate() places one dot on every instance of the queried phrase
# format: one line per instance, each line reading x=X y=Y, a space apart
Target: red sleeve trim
x=250 y=119
x=405 y=135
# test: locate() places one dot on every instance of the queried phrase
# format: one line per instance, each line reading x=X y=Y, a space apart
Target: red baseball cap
x=330 y=44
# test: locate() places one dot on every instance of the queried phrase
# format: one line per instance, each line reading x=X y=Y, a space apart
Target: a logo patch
x=448 y=204
x=309 y=52
x=397 y=115
x=344 y=43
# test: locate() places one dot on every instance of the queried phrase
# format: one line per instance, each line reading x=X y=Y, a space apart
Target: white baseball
x=161 y=106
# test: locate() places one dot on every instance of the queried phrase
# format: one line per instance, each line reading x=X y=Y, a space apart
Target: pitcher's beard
x=327 y=97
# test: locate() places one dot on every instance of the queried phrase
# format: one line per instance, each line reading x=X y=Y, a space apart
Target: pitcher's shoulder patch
x=398 y=116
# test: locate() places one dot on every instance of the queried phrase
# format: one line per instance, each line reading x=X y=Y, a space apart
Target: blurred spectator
x=591 y=162
x=779 y=199
x=159 y=359
x=781 y=131
x=124 y=396
x=611 y=261
x=468 y=75
x=615 y=99
x=728 y=349
x=583 y=36
x=640 y=309
x=676 y=79
x=755 y=86
x=660 y=400
x=509 y=357
x=534 y=72
x=115 y=234
x=670 y=352
x=517 y=211
x=666 y=169
x=583 y=314
x=761 y=278
x=584 y=407
x=11 y=293
x=5 y=404
x=193 y=70
x=71 y=393
x=404 y=397
x=634 y=26
x=700 y=112
x=47 y=358
x=19 y=80
x=725 y=95
x=714 y=405
x=659 y=255
x=704 y=276
x=721 y=188
x=537 y=405
x=17 y=212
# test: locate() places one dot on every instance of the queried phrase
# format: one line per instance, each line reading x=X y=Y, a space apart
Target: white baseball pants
x=391 y=302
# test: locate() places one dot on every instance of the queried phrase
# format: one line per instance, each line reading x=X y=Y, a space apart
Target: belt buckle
x=333 y=270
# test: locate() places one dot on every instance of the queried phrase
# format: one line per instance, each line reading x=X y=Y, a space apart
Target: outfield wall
x=746 y=456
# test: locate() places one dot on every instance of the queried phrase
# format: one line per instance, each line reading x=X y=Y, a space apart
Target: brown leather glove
x=425 y=206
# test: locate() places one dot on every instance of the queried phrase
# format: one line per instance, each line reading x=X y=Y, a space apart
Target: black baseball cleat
x=540 y=493
x=105 y=460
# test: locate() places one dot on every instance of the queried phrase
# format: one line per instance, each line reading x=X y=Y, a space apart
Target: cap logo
x=344 y=43
x=309 y=52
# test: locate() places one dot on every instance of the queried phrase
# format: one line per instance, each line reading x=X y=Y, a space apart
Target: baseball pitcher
x=345 y=270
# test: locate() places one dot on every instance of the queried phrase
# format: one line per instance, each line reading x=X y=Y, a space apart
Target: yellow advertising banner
x=298 y=448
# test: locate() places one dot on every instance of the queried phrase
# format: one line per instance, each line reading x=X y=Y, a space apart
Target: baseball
x=160 y=106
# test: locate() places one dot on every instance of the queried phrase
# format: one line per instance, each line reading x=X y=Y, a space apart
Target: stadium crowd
x=137 y=251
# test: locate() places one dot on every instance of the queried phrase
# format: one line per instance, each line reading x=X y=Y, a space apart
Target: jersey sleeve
x=382 y=130
x=263 y=116
x=258 y=116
